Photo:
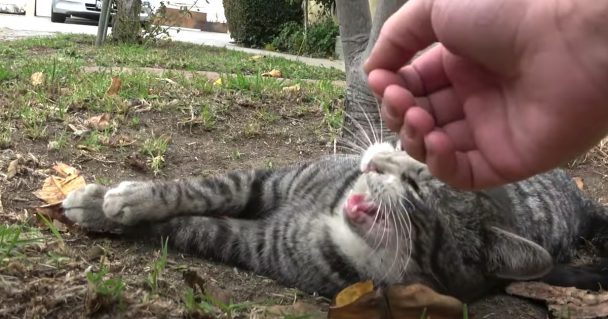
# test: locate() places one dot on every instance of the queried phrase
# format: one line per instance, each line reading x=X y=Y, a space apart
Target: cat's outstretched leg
x=132 y=202
x=239 y=194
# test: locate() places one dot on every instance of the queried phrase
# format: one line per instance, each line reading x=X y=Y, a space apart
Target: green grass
x=155 y=148
x=168 y=55
x=157 y=268
x=15 y=238
x=112 y=288
x=148 y=110
x=210 y=306
x=69 y=88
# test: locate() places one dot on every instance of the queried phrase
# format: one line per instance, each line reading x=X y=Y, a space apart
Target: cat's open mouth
x=360 y=209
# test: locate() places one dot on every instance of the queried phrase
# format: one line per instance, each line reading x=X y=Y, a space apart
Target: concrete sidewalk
x=19 y=26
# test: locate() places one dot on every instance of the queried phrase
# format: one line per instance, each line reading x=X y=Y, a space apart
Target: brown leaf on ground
x=65 y=170
x=37 y=78
x=353 y=292
x=580 y=183
x=14 y=167
x=408 y=301
x=54 y=212
x=372 y=305
x=397 y=301
x=99 y=122
x=579 y=304
x=114 y=86
x=274 y=73
x=55 y=188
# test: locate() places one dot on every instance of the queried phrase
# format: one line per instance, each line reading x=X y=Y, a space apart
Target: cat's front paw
x=84 y=207
x=130 y=203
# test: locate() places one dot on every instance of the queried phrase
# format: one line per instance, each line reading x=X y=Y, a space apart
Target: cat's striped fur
x=322 y=225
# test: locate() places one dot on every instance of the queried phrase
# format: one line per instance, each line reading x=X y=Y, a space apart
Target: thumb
x=406 y=32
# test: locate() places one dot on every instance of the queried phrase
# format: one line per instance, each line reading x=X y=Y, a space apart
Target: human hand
x=513 y=89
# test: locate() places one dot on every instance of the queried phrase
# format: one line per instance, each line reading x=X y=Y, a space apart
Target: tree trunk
x=362 y=123
x=127 y=26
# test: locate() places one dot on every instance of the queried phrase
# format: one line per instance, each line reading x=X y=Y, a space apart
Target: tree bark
x=362 y=124
x=127 y=26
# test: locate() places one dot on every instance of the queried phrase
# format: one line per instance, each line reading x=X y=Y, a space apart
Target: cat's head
x=381 y=202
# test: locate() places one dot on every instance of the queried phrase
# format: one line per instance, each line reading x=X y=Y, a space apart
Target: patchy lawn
x=165 y=124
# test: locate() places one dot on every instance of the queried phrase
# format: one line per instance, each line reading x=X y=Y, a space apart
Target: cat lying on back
x=323 y=225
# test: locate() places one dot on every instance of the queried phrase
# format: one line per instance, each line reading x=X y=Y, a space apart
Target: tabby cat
x=323 y=225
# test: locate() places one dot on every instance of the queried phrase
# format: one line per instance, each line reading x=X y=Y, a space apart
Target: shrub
x=318 y=41
x=256 y=22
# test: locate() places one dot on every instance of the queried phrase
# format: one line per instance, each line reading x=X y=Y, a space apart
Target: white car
x=88 y=9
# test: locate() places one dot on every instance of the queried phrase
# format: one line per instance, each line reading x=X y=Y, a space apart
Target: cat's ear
x=510 y=256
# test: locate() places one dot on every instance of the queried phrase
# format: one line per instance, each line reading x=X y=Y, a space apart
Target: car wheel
x=58 y=17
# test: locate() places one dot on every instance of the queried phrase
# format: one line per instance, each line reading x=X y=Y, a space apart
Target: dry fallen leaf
x=293 y=88
x=408 y=301
x=14 y=167
x=65 y=170
x=579 y=182
x=217 y=82
x=256 y=57
x=55 y=188
x=114 y=86
x=99 y=122
x=577 y=303
x=273 y=73
x=54 y=212
x=397 y=301
x=37 y=78
x=353 y=292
